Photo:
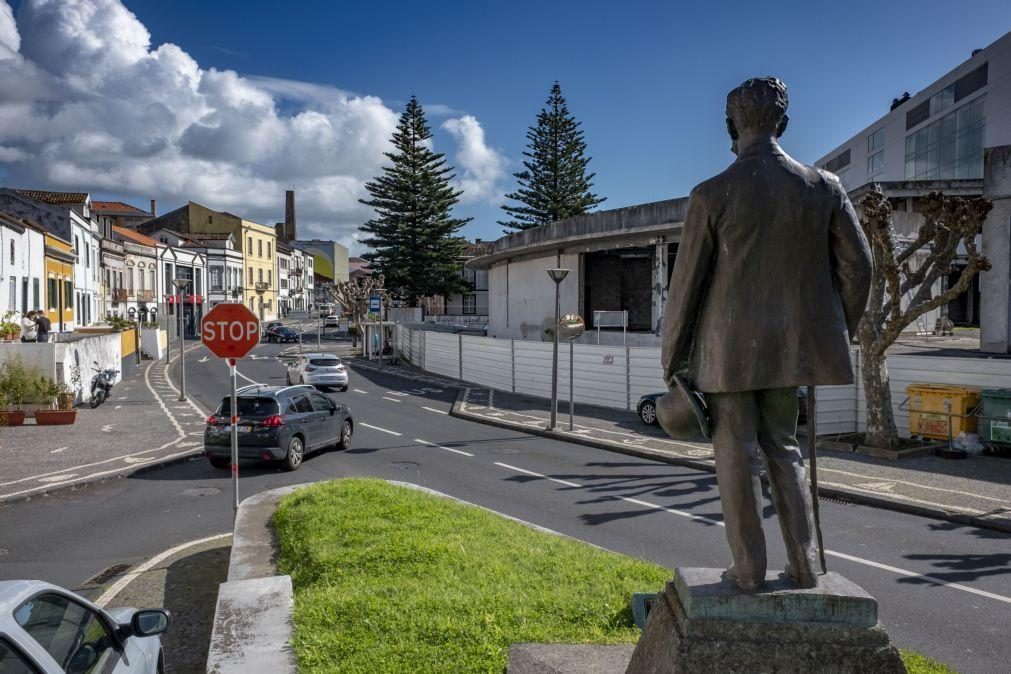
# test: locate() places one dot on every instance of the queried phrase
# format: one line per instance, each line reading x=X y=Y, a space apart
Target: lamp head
x=558 y=274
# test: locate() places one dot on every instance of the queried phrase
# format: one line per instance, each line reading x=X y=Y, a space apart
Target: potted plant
x=68 y=393
x=49 y=390
x=15 y=381
x=10 y=329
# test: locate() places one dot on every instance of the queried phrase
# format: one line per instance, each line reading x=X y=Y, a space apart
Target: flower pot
x=65 y=401
x=55 y=417
x=12 y=418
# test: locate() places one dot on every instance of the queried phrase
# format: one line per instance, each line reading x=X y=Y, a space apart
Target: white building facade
x=282 y=269
x=22 y=266
x=954 y=137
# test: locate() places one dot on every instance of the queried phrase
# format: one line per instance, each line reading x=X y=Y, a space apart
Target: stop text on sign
x=229 y=330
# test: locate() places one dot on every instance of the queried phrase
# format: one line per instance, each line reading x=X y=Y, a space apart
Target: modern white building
x=282 y=268
x=296 y=280
x=67 y=215
x=22 y=266
x=954 y=137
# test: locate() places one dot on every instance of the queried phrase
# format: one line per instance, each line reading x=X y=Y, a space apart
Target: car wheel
x=296 y=452
x=161 y=662
x=345 y=441
x=220 y=461
x=287 y=378
x=648 y=413
x=343 y=389
x=301 y=379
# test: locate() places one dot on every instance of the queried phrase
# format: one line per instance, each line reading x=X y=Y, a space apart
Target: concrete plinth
x=703 y=623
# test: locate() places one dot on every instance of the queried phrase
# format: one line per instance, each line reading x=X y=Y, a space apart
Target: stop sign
x=230 y=330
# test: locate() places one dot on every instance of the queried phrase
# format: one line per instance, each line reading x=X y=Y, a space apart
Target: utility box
x=996 y=417
x=930 y=405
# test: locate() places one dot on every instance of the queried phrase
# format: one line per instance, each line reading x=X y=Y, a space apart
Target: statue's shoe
x=747 y=584
x=805 y=580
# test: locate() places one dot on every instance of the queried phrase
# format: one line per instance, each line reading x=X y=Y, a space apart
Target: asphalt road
x=944 y=589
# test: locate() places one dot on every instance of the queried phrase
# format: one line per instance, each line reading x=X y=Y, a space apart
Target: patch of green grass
x=391 y=579
x=921 y=664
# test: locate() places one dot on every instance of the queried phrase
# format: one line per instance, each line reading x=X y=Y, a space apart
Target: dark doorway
x=963 y=311
x=620 y=281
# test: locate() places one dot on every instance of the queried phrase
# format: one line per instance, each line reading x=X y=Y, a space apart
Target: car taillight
x=275 y=421
x=310 y=368
x=212 y=420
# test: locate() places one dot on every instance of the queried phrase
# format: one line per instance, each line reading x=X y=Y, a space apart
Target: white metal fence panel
x=600 y=375
x=645 y=372
x=837 y=409
x=442 y=354
x=488 y=361
x=418 y=348
x=533 y=368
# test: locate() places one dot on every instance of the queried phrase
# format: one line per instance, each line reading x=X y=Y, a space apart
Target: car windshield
x=286 y=331
x=325 y=362
x=250 y=407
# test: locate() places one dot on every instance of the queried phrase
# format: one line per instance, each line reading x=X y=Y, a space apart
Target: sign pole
x=235 y=439
x=572 y=378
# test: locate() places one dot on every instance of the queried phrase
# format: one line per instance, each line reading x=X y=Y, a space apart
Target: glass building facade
x=949 y=147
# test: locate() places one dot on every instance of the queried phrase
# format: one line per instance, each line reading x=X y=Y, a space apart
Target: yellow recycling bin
x=930 y=405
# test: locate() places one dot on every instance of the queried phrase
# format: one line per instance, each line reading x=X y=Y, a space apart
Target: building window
x=470 y=304
x=876 y=152
x=152 y=288
x=259 y=275
x=12 y=252
x=199 y=282
x=259 y=248
x=950 y=147
x=12 y=298
x=838 y=162
x=68 y=295
x=942 y=100
x=216 y=281
x=169 y=288
x=51 y=293
x=140 y=279
x=249 y=244
x=268 y=250
x=250 y=274
x=129 y=280
x=77 y=245
x=35 y=294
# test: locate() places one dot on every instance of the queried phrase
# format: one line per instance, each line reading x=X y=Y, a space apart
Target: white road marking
x=358 y=390
x=376 y=428
x=117 y=407
x=392 y=400
x=917 y=484
x=58 y=478
x=397 y=393
x=432 y=409
x=448 y=449
x=117 y=587
x=251 y=381
x=901 y=497
x=57 y=450
x=540 y=475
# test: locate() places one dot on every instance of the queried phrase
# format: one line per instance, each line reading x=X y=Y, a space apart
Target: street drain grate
x=108 y=574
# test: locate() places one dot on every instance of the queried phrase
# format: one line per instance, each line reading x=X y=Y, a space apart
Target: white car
x=322 y=370
x=332 y=321
x=49 y=630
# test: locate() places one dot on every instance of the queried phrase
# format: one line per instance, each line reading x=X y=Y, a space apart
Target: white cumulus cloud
x=480 y=167
x=87 y=102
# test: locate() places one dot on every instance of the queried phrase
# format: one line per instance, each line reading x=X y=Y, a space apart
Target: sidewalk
x=974 y=491
x=142 y=424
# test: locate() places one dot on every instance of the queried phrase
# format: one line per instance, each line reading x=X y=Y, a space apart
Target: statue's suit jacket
x=771 y=277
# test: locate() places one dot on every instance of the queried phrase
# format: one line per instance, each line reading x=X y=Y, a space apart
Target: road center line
x=358 y=390
x=545 y=477
x=376 y=428
x=432 y=409
x=448 y=449
x=392 y=400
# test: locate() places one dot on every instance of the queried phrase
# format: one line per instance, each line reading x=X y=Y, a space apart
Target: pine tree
x=554 y=184
x=413 y=236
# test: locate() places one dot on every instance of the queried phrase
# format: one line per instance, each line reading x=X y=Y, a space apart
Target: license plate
x=243 y=429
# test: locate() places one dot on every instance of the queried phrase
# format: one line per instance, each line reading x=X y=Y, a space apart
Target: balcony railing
x=261 y=286
x=118 y=295
x=145 y=295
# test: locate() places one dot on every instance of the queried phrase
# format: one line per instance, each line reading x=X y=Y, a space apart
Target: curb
x=663 y=457
x=254 y=615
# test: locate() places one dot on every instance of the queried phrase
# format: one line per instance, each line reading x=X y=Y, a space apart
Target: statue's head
x=757 y=108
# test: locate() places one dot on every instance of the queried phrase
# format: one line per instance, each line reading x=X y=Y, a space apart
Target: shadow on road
x=191 y=592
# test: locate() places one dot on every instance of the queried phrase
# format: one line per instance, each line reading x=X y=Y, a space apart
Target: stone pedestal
x=703 y=623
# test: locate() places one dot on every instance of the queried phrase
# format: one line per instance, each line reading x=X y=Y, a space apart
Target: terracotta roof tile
x=116 y=207
x=56 y=198
x=136 y=237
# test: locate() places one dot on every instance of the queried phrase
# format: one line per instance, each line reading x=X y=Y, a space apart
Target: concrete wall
x=522 y=301
x=104 y=348
x=995 y=295
x=153 y=342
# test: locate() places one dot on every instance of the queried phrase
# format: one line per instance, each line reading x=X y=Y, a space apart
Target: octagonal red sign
x=230 y=330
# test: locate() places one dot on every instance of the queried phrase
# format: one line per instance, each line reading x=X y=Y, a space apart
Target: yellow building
x=59 y=259
x=257 y=242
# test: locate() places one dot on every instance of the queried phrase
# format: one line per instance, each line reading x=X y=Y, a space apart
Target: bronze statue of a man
x=771 y=277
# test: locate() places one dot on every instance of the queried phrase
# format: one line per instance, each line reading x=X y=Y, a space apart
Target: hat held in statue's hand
x=682 y=412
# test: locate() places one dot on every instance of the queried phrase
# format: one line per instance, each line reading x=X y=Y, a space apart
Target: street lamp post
x=181 y=284
x=557 y=275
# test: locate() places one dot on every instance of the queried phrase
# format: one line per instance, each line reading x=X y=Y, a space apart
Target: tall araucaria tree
x=554 y=183
x=413 y=236
x=904 y=286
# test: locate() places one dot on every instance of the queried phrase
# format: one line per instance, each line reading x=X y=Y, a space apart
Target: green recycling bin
x=996 y=421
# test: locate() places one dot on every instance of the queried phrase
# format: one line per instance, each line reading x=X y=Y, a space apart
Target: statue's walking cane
x=812 y=442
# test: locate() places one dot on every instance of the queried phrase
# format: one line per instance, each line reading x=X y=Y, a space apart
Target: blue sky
x=648 y=80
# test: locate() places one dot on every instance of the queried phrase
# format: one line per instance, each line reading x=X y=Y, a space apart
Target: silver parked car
x=322 y=370
x=49 y=630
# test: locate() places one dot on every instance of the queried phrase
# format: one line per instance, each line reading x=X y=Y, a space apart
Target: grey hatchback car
x=278 y=423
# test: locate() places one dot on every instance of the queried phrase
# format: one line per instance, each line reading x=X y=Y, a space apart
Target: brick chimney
x=290 y=229
x=154 y=208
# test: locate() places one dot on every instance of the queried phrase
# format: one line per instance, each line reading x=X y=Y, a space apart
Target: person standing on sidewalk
x=29 y=333
x=43 y=327
x=772 y=276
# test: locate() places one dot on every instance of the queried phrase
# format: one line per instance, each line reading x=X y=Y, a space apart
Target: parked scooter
x=101 y=385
